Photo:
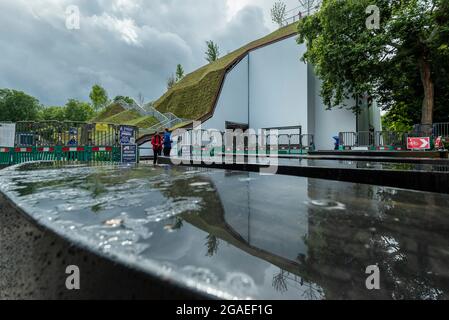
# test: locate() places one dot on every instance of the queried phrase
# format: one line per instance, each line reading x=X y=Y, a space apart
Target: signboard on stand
x=7 y=134
x=420 y=144
x=127 y=135
x=102 y=127
x=129 y=154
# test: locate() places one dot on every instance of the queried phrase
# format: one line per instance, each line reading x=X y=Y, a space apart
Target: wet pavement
x=245 y=235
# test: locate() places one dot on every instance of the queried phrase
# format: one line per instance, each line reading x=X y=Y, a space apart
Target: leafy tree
x=123 y=98
x=52 y=114
x=78 y=111
x=213 y=51
x=99 y=97
x=179 y=72
x=397 y=63
x=171 y=81
x=278 y=13
x=18 y=106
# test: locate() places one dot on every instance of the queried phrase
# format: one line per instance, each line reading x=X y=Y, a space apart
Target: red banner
x=418 y=143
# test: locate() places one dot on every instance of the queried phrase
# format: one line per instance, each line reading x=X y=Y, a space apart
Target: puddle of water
x=237 y=234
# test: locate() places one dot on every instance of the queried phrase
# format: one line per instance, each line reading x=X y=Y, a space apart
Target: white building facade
x=271 y=87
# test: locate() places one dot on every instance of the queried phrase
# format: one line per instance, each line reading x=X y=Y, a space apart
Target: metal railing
x=441 y=130
x=356 y=139
x=394 y=140
x=151 y=111
x=391 y=138
x=294 y=15
x=204 y=142
x=159 y=127
x=347 y=139
x=54 y=133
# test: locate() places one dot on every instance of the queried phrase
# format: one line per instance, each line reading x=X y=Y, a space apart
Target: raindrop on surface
x=246 y=179
x=241 y=283
x=169 y=228
x=114 y=223
x=327 y=204
x=199 y=184
x=201 y=274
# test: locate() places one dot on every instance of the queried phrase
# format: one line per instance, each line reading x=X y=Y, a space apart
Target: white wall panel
x=233 y=102
x=278 y=86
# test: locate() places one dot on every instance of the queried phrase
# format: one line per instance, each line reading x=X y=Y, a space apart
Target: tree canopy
x=212 y=52
x=403 y=62
x=278 y=13
x=99 y=97
x=78 y=111
x=125 y=99
x=171 y=81
x=179 y=72
x=54 y=113
x=18 y=106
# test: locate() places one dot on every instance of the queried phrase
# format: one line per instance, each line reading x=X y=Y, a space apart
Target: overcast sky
x=127 y=46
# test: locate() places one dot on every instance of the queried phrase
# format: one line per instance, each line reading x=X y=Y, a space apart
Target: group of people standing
x=161 y=144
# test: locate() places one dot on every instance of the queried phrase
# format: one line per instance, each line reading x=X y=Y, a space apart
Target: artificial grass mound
x=132 y=118
x=122 y=117
x=117 y=114
x=108 y=112
x=143 y=122
x=194 y=96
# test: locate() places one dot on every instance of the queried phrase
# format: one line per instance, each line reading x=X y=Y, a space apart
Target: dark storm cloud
x=126 y=46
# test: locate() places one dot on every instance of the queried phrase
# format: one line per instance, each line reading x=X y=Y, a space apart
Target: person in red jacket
x=156 y=142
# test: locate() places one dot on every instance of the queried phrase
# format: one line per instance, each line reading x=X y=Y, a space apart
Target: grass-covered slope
x=143 y=122
x=108 y=112
x=194 y=96
x=122 y=117
x=116 y=114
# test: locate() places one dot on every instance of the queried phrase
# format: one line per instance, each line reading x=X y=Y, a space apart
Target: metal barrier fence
x=380 y=140
x=347 y=139
x=12 y=156
x=203 y=142
x=441 y=130
x=391 y=139
x=55 y=133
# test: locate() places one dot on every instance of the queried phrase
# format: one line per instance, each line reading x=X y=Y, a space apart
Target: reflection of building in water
x=277 y=230
x=327 y=233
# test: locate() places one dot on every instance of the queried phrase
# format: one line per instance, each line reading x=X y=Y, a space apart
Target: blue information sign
x=129 y=153
x=126 y=135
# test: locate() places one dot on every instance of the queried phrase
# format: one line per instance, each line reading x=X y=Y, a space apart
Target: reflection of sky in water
x=239 y=234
